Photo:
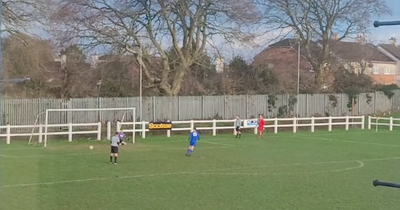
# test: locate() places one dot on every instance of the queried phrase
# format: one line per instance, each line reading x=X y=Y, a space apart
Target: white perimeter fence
x=213 y=125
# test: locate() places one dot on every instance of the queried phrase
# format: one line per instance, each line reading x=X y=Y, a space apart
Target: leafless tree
x=26 y=59
x=320 y=20
x=147 y=28
x=23 y=15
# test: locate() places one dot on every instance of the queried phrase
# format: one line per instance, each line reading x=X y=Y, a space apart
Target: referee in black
x=114 y=148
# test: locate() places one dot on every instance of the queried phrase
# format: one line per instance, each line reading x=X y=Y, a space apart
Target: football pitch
x=303 y=171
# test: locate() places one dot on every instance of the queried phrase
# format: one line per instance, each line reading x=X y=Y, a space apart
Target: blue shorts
x=193 y=143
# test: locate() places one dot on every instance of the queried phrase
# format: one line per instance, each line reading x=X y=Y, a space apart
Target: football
x=91 y=147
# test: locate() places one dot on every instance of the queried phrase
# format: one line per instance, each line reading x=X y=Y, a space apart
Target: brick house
x=358 y=56
x=282 y=58
x=362 y=57
x=392 y=50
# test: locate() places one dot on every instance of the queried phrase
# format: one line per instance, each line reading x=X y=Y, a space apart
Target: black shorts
x=237 y=128
x=114 y=150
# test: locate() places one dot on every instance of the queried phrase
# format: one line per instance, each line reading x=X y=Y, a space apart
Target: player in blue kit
x=193 y=138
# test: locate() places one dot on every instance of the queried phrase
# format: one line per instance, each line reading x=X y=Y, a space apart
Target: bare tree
x=26 y=59
x=147 y=28
x=320 y=20
x=21 y=15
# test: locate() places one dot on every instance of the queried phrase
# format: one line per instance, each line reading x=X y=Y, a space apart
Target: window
x=375 y=70
x=387 y=70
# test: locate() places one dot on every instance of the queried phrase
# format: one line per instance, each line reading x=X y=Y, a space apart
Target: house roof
x=285 y=43
x=392 y=49
x=355 y=52
x=347 y=51
x=293 y=43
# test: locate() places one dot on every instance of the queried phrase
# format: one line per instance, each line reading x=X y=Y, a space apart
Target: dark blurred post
x=1 y=68
x=386 y=23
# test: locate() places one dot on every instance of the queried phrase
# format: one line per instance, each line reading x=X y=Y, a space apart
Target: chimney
x=334 y=36
x=94 y=59
x=361 y=39
x=393 y=41
x=63 y=60
x=219 y=65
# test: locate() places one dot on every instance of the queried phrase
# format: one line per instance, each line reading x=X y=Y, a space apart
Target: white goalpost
x=34 y=128
x=84 y=121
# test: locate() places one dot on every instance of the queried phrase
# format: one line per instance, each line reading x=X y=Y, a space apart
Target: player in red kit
x=261 y=124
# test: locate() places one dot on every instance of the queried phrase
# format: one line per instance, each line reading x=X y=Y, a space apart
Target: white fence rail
x=387 y=121
x=214 y=126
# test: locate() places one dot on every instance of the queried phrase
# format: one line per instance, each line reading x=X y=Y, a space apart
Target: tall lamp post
x=140 y=75
x=140 y=85
x=140 y=58
x=298 y=73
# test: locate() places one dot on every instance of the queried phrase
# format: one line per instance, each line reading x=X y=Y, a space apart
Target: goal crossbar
x=133 y=109
x=91 y=109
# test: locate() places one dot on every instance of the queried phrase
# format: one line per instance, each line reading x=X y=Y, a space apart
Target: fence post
x=347 y=123
x=143 y=129
x=70 y=132
x=191 y=125
x=99 y=131
x=214 y=127
x=276 y=125
x=391 y=124
x=330 y=124
x=369 y=122
x=168 y=133
x=202 y=107
x=363 y=123
x=247 y=106
x=312 y=124
x=8 y=131
x=40 y=133
x=224 y=107
x=179 y=108
x=118 y=127
x=154 y=108
x=108 y=130
x=374 y=102
x=294 y=125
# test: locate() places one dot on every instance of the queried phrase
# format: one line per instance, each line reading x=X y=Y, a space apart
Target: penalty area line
x=208 y=172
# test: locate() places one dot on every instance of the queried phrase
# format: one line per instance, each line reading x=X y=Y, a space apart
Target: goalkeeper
x=122 y=137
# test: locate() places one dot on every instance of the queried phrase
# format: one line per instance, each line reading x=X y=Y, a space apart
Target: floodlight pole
x=298 y=78
x=140 y=84
x=298 y=73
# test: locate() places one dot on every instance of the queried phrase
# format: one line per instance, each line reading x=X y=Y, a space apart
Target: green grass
x=301 y=171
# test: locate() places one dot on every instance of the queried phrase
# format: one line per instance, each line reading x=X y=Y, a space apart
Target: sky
x=377 y=36
x=383 y=34
x=248 y=51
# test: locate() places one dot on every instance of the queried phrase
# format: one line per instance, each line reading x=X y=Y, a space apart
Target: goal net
x=78 y=124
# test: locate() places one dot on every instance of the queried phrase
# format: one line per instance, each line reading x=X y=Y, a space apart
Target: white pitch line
x=190 y=172
x=8 y=156
x=361 y=164
x=353 y=142
x=92 y=153
x=209 y=142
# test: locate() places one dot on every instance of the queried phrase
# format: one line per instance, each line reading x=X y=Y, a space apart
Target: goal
x=84 y=123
